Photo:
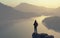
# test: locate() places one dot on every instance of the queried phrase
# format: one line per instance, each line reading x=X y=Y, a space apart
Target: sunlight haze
x=18 y=18
x=45 y=3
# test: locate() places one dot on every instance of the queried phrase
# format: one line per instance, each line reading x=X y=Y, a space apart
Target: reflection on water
x=23 y=28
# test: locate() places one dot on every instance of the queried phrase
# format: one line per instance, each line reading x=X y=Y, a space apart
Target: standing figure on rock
x=35 y=26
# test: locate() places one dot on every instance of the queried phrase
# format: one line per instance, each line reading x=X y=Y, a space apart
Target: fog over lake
x=23 y=28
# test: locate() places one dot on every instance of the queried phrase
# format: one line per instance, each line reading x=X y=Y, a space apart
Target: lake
x=23 y=28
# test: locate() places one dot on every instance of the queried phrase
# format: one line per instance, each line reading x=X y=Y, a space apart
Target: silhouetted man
x=35 y=26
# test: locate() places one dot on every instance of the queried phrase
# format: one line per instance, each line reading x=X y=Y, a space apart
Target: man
x=35 y=26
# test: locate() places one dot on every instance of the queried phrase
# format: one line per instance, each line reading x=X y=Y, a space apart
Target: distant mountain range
x=25 y=10
x=29 y=8
x=7 y=12
x=39 y=10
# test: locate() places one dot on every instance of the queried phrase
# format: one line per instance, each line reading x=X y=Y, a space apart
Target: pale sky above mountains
x=45 y=3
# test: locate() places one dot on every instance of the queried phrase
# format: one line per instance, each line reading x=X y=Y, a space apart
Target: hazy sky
x=46 y=3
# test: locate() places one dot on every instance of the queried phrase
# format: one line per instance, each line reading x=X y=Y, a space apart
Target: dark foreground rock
x=42 y=35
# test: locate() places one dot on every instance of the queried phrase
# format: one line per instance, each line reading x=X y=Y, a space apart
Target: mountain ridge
x=29 y=8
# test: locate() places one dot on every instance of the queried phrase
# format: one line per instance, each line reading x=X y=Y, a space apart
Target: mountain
x=29 y=8
x=7 y=16
x=7 y=12
x=52 y=23
x=56 y=11
x=38 y=10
